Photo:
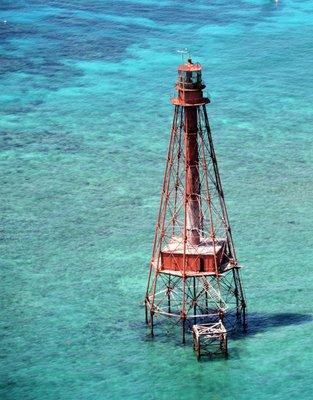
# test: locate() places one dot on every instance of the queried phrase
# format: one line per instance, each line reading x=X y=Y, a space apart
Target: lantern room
x=189 y=75
x=189 y=85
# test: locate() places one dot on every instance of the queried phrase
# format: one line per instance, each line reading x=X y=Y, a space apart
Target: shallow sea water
x=85 y=119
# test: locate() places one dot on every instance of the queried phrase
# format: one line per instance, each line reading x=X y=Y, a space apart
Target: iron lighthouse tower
x=194 y=274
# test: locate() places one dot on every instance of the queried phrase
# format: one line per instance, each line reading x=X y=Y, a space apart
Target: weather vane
x=183 y=52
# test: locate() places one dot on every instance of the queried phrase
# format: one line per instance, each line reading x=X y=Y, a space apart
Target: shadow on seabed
x=258 y=322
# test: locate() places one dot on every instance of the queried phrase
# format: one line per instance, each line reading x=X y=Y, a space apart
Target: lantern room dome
x=190 y=66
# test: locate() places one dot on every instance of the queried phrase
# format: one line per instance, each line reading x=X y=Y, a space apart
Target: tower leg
x=169 y=295
x=244 y=322
x=151 y=323
x=206 y=302
x=240 y=301
x=237 y=304
x=194 y=299
x=146 y=312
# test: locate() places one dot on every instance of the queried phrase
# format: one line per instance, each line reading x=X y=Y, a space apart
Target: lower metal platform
x=210 y=339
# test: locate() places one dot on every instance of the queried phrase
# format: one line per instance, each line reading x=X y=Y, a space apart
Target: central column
x=193 y=217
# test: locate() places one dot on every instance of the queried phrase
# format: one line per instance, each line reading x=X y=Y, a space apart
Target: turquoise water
x=85 y=118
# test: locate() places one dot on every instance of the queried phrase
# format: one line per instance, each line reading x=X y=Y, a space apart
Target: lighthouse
x=194 y=275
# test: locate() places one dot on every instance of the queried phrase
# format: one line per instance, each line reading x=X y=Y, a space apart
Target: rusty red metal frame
x=194 y=274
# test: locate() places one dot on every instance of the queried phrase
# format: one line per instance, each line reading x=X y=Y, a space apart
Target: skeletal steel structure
x=194 y=275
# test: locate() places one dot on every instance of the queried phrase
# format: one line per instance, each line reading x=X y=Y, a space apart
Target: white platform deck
x=206 y=247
